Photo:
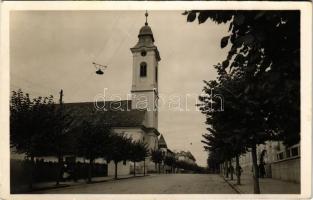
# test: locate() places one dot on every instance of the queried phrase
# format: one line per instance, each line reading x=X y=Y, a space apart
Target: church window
x=143 y=69
x=156 y=74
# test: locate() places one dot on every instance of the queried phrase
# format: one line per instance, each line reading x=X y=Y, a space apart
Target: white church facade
x=138 y=117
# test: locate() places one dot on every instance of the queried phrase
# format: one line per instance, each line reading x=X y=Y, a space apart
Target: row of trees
x=97 y=141
x=158 y=157
x=39 y=127
x=259 y=82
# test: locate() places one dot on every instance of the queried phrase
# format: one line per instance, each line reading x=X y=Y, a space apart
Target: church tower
x=145 y=75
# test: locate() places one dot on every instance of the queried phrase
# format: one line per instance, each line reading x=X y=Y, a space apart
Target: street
x=153 y=184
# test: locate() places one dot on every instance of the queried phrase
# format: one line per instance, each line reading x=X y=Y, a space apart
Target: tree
x=30 y=125
x=120 y=147
x=226 y=133
x=170 y=161
x=93 y=143
x=265 y=58
x=138 y=152
x=157 y=157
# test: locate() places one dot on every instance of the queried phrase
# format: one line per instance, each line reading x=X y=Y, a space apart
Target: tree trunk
x=238 y=172
x=231 y=170
x=134 y=168
x=60 y=169
x=32 y=165
x=255 y=171
x=226 y=168
x=115 y=175
x=159 y=168
x=90 y=170
x=144 y=167
x=221 y=169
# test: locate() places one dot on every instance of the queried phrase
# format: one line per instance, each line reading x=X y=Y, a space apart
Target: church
x=138 y=117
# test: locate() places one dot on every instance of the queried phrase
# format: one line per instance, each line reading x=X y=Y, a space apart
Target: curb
x=82 y=183
x=232 y=186
x=51 y=187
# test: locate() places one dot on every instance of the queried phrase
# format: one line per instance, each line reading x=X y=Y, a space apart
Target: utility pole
x=61 y=97
x=60 y=157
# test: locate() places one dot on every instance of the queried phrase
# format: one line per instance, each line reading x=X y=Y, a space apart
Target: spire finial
x=146 y=14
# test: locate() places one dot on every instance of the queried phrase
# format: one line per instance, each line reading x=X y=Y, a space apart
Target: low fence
x=20 y=172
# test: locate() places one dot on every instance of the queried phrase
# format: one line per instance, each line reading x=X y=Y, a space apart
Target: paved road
x=154 y=184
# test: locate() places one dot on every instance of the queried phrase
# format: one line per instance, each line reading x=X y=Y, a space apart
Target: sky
x=54 y=50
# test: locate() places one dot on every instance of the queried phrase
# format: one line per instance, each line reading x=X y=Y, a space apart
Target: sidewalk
x=267 y=185
x=52 y=185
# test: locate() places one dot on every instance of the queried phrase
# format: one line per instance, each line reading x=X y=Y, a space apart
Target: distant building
x=166 y=152
x=163 y=147
x=185 y=156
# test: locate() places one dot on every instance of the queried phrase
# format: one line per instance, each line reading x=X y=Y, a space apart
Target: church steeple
x=146 y=14
x=146 y=38
x=145 y=73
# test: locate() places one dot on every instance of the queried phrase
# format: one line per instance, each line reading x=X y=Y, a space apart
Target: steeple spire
x=146 y=14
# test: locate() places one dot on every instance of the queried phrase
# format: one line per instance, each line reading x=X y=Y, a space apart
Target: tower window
x=156 y=74
x=143 y=69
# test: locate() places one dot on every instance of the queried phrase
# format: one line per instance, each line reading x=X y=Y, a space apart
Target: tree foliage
x=157 y=156
x=138 y=152
x=30 y=123
x=259 y=81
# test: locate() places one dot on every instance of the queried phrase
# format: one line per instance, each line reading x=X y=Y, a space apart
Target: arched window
x=143 y=69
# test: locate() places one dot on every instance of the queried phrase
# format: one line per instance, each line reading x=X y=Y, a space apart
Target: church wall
x=123 y=168
x=150 y=165
x=147 y=100
x=151 y=140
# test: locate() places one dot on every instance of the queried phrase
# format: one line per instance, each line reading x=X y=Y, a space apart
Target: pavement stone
x=153 y=184
x=267 y=185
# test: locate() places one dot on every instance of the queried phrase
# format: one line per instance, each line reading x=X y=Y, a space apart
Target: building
x=136 y=118
x=185 y=156
x=166 y=152
x=163 y=146
x=281 y=162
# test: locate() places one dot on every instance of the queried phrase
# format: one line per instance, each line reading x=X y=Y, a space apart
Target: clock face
x=143 y=53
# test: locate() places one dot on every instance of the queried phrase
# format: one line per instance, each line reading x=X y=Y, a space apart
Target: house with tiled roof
x=185 y=156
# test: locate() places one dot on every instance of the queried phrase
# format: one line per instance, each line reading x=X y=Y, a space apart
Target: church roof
x=162 y=143
x=146 y=31
x=115 y=114
x=146 y=41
